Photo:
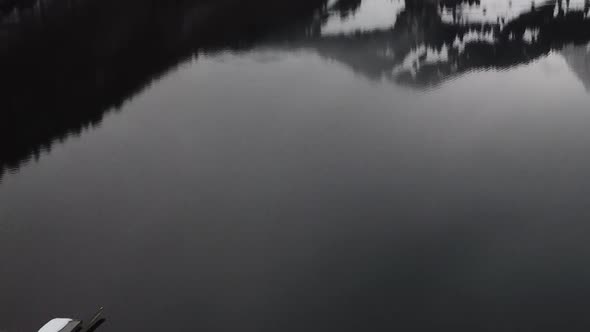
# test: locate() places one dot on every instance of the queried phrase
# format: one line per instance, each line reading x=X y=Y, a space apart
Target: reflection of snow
x=372 y=15
x=501 y=11
x=489 y=11
x=472 y=37
x=530 y=35
x=578 y=59
x=421 y=56
x=567 y=6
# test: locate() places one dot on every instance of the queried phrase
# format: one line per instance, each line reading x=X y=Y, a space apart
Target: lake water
x=354 y=165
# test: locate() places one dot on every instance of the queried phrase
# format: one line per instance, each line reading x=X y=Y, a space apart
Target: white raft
x=73 y=325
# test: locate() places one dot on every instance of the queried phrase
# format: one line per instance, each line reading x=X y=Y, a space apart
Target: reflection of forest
x=432 y=41
x=65 y=63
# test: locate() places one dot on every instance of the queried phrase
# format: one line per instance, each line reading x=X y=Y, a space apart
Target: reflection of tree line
x=550 y=27
x=423 y=50
x=65 y=63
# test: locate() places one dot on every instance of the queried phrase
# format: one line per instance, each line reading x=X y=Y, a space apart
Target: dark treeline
x=65 y=63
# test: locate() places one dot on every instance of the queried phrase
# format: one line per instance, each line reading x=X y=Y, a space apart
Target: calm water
x=353 y=165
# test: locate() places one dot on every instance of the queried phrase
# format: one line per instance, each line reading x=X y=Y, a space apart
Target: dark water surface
x=373 y=165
